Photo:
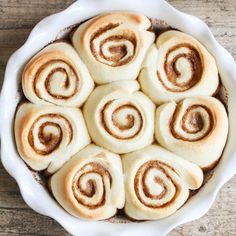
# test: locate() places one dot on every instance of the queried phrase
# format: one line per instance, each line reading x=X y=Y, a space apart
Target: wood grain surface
x=17 y=18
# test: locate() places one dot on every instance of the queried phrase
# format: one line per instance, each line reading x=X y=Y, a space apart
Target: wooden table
x=17 y=18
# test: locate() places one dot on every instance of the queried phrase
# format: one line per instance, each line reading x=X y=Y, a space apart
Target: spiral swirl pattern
x=182 y=68
x=47 y=131
x=163 y=189
x=50 y=73
x=191 y=127
x=47 y=136
x=113 y=50
x=157 y=182
x=119 y=117
x=56 y=75
x=93 y=186
x=90 y=184
x=176 y=67
x=114 y=42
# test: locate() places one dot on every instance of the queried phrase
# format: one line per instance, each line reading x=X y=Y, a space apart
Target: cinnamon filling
x=173 y=74
x=49 y=140
x=129 y=124
x=90 y=190
x=142 y=174
x=119 y=51
x=193 y=119
x=47 y=83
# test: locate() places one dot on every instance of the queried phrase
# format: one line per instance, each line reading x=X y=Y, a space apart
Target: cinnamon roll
x=90 y=185
x=113 y=45
x=195 y=129
x=177 y=67
x=119 y=117
x=157 y=182
x=56 y=75
x=47 y=136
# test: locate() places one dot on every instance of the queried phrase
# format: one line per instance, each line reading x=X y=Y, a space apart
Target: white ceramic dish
x=38 y=197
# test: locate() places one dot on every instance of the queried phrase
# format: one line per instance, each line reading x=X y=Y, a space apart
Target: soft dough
x=90 y=185
x=176 y=67
x=195 y=129
x=113 y=45
x=119 y=117
x=157 y=182
x=56 y=75
x=47 y=136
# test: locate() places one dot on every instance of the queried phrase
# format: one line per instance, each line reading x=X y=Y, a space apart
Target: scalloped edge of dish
x=38 y=38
